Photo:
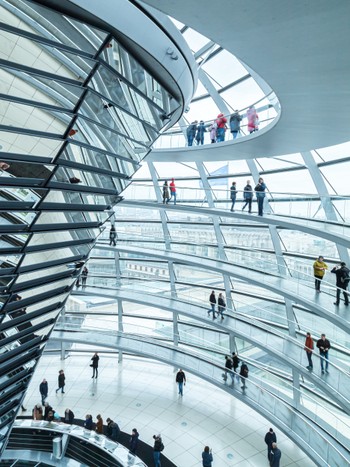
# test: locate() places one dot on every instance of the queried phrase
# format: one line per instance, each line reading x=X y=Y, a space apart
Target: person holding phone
x=207 y=457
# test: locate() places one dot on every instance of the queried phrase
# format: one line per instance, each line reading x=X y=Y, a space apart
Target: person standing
x=320 y=268
x=253 y=119
x=235 y=124
x=134 y=441
x=248 y=196
x=233 y=193
x=157 y=449
x=112 y=236
x=260 y=195
x=99 y=424
x=44 y=390
x=181 y=381
x=212 y=301
x=37 y=412
x=172 y=191
x=244 y=374
x=47 y=410
x=88 y=424
x=309 y=347
x=221 y=305
x=323 y=345
x=270 y=438
x=166 y=194
x=61 y=381
x=200 y=133
x=94 y=365
x=235 y=364
x=221 y=127
x=275 y=456
x=68 y=416
x=228 y=366
x=113 y=429
x=84 y=275
x=191 y=132
x=207 y=457
x=212 y=132
x=343 y=278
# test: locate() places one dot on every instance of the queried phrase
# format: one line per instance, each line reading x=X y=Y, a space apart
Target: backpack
x=345 y=278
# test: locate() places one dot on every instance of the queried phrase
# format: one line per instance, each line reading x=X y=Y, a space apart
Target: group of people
x=46 y=412
x=342 y=278
x=217 y=130
x=220 y=302
x=323 y=345
x=273 y=453
x=169 y=191
x=231 y=368
x=259 y=189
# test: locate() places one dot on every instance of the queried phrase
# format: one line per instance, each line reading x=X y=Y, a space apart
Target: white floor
x=143 y=394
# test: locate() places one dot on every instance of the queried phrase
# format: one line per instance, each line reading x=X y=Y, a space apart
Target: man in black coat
x=181 y=381
x=270 y=438
x=275 y=456
x=44 y=390
x=94 y=365
x=343 y=278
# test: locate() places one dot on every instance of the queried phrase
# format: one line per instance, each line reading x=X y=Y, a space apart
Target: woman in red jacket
x=309 y=347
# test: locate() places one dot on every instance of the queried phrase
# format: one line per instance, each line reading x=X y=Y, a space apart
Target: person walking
x=113 y=429
x=221 y=127
x=343 y=278
x=84 y=276
x=99 y=424
x=44 y=390
x=112 y=236
x=248 y=197
x=134 y=441
x=68 y=416
x=260 y=195
x=94 y=365
x=200 y=133
x=181 y=381
x=207 y=457
x=235 y=364
x=212 y=301
x=166 y=194
x=61 y=381
x=157 y=449
x=191 y=132
x=323 y=345
x=253 y=119
x=221 y=305
x=233 y=193
x=275 y=456
x=320 y=268
x=228 y=366
x=270 y=438
x=235 y=124
x=309 y=347
x=172 y=191
x=212 y=132
x=244 y=374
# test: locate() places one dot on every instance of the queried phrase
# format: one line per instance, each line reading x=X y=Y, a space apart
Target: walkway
x=286 y=348
x=306 y=68
x=337 y=233
x=292 y=289
x=266 y=400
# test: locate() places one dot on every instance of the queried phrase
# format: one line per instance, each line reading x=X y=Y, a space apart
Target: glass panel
x=23 y=144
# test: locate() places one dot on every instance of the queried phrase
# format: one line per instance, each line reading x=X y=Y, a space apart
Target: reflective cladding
x=77 y=115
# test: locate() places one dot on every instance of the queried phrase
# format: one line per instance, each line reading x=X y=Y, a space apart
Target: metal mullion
x=80 y=189
x=36 y=71
x=43 y=40
x=102 y=125
x=51 y=246
x=36 y=104
x=90 y=168
x=131 y=85
x=26 y=131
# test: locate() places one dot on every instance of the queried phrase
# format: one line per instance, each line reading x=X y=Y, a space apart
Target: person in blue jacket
x=200 y=133
x=260 y=195
x=207 y=457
